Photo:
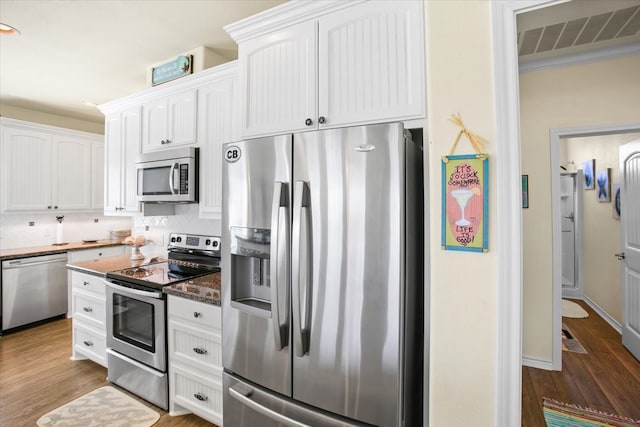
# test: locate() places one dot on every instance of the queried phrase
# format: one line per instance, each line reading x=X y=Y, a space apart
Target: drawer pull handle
x=85 y=283
x=196 y=314
x=88 y=343
x=87 y=309
x=199 y=350
x=201 y=397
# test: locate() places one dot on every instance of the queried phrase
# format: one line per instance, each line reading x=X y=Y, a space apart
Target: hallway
x=606 y=379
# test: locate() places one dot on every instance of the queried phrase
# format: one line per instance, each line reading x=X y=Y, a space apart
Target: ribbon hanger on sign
x=477 y=142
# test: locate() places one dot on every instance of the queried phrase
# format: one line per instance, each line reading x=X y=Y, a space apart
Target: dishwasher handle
x=30 y=262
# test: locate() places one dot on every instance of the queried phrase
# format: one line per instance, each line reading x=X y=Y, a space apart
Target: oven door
x=136 y=324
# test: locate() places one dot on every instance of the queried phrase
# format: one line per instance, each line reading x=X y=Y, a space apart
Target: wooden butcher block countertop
x=54 y=249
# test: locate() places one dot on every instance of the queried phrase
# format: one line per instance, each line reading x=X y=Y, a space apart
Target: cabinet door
x=123 y=136
x=131 y=146
x=155 y=117
x=182 y=118
x=26 y=169
x=113 y=163
x=278 y=81
x=97 y=175
x=72 y=177
x=215 y=111
x=371 y=63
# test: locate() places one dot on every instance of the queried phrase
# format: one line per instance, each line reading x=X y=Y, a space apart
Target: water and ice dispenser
x=250 y=270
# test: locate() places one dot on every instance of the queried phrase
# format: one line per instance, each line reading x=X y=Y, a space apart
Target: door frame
x=578 y=291
x=555 y=135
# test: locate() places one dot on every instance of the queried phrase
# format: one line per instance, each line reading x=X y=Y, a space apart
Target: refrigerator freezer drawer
x=249 y=405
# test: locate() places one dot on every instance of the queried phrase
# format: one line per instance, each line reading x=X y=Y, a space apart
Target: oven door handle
x=132 y=291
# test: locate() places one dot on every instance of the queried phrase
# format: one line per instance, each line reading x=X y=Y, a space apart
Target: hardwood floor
x=607 y=378
x=37 y=376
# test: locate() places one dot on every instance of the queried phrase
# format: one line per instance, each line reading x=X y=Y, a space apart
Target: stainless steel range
x=136 y=314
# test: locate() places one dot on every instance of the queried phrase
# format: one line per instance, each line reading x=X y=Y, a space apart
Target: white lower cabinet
x=195 y=359
x=89 y=327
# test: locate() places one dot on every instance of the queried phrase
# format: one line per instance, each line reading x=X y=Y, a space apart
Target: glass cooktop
x=161 y=274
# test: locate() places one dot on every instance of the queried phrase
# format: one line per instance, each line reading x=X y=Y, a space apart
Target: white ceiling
x=72 y=51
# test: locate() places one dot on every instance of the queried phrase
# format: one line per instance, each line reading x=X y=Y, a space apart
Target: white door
x=630 y=243
x=568 y=239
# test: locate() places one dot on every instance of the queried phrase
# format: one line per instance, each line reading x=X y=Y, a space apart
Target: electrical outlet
x=32 y=223
x=146 y=228
x=96 y=220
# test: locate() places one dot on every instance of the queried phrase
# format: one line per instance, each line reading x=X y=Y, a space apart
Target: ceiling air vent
x=581 y=31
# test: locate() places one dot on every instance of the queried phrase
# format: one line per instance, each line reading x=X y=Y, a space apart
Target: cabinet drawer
x=90 y=343
x=87 y=283
x=96 y=253
x=90 y=308
x=204 y=315
x=199 y=394
x=195 y=347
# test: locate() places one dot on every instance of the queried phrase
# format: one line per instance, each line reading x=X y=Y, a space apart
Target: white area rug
x=105 y=406
x=571 y=309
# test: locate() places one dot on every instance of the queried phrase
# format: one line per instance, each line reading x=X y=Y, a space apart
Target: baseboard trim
x=610 y=320
x=534 y=362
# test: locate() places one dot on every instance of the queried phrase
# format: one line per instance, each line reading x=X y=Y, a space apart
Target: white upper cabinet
x=216 y=124
x=169 y=121
x=47 y=169
x=339 y=64
x=279 y=75
x=123 y=138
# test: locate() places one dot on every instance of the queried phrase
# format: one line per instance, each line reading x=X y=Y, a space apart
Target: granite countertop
x=102 y=266
x=55 y=249
x=205 y=289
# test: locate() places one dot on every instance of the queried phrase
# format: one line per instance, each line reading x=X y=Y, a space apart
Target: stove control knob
x=179 y=239
x=207 y=242
x=173 y=239
x=215 y=243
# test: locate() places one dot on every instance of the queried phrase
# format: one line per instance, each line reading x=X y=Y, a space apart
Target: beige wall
x=600 y=231
x=590 y=94
x=463 y=285
x=50 y=119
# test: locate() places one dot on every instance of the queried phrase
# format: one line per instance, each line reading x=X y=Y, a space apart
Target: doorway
x=570 y=224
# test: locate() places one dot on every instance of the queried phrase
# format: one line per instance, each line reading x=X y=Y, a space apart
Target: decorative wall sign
x=465 y=202
x=588 y=172
x=603 y=182
x=525 y=191
x=180 y=67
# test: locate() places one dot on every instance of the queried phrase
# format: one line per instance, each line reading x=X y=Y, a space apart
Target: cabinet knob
x=55 y=207
x=88 y=343
x=199 y=350
x=168 y=141
x=85 y=283
x=163 y=142
x=196 y=314
x=87 y=309
x=308 y=122
x=322 y=120
x=48 y=207
x=201 y=397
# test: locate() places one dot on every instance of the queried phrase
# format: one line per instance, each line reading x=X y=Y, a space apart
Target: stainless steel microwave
x=168 y=176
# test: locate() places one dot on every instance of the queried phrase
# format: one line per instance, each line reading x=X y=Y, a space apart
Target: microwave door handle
x=279 y=262
x=171 y=178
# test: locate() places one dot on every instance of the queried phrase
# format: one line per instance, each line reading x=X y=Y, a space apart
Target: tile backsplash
x=25 y=230
x=157 y=228
x=16 y=231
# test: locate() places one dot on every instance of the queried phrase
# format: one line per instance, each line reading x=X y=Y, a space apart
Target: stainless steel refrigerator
x=322 y=279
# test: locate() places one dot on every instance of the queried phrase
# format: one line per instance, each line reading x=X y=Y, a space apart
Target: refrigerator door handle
x=300 y=251
x=279 y=256
x=243 y=394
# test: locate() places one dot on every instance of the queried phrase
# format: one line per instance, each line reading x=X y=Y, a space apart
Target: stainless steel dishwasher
x=33 y=289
